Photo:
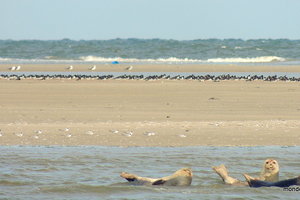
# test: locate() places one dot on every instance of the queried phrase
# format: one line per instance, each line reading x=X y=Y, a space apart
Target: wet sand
x=153 y=68
x=149 y=113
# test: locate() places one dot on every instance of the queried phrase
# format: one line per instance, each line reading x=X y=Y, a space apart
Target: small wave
x=263 y=59
x=150 y=60
x=170 y=60
x=13 y=183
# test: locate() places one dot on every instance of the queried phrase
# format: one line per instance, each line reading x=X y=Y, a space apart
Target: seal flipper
x=159 y=182
x=128 y=177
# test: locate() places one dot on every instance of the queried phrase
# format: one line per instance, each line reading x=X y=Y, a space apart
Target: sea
x=152 y=51
x=93 y=172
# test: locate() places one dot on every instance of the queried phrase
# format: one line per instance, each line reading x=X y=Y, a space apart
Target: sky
x=164 y=19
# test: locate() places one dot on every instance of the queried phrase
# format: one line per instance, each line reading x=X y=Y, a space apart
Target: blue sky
x=166 y=19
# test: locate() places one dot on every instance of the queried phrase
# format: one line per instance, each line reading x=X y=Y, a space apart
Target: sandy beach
x=150 y=113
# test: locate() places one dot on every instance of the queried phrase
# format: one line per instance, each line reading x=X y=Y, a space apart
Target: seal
x=182 y=177
x=270 y=173
x=252 y=182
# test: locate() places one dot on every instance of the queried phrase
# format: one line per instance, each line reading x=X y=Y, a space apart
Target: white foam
x=170 y=60
x=262 y=59
x=130 y=60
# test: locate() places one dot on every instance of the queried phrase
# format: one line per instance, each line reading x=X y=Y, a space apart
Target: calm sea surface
x=93 y=172
x=277 y=51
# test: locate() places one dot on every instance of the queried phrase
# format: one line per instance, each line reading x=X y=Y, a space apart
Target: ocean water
x=151 y=51
x=92 y=172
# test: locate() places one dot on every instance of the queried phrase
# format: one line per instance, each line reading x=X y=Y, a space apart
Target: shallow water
x=93 y=172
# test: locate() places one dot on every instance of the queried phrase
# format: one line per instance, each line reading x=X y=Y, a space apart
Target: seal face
x=182 y=177
x=270 y=171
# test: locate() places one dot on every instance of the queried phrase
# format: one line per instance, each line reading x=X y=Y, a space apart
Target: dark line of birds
x=153 y=77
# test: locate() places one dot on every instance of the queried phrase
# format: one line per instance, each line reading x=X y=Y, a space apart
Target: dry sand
x=149 y=113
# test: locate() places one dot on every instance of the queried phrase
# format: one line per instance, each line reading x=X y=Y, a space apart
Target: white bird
x=66 y=129
x=90 y=133
x=114 y=131
x=19 y=134
x=69 y=135
x=13 y=68
x=36 y=137
x=93 y=68
x=183 y=136
x=1 y=134
x=129 y=68
x=128 y=134
x=149 y=133
x=70 y=67
x=39 y=132
x=18 y=67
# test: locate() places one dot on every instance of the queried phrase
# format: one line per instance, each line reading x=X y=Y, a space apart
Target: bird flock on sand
x=66 y=132
x=150 y=77
x=206 y=77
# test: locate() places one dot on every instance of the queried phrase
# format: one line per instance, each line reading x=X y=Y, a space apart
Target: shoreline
x=149 y=113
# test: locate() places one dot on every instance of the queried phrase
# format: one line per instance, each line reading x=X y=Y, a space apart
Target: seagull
x=182 y=136
x=114 y=131
x=36 y=137
x=19 y=134
x=93 y=68
x=128 y=134
x=90 y=133
x=13 y=68
x=69 y=135
x=149 y=133
x=129 y=68
x=1 y=134
x=39 y=132
x=18 y=67
x=70 y=67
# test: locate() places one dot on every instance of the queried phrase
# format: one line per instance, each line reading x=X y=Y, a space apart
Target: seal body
x=182 y=177
x=284 y=183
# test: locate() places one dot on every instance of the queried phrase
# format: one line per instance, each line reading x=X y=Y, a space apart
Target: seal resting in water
x=270 y=173
x=182 y=177
x=252 y=182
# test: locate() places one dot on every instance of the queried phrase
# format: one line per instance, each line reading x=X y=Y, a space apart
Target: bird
x=19 y=134
x=128 y=134
x=114 y=131
x=70 y=67
x=18 y=67
x=93 y=68
x=129 y=68
x=149 y=133
x=182 y=136
x=13 y=68
x=90 y=133
x=39 y=132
